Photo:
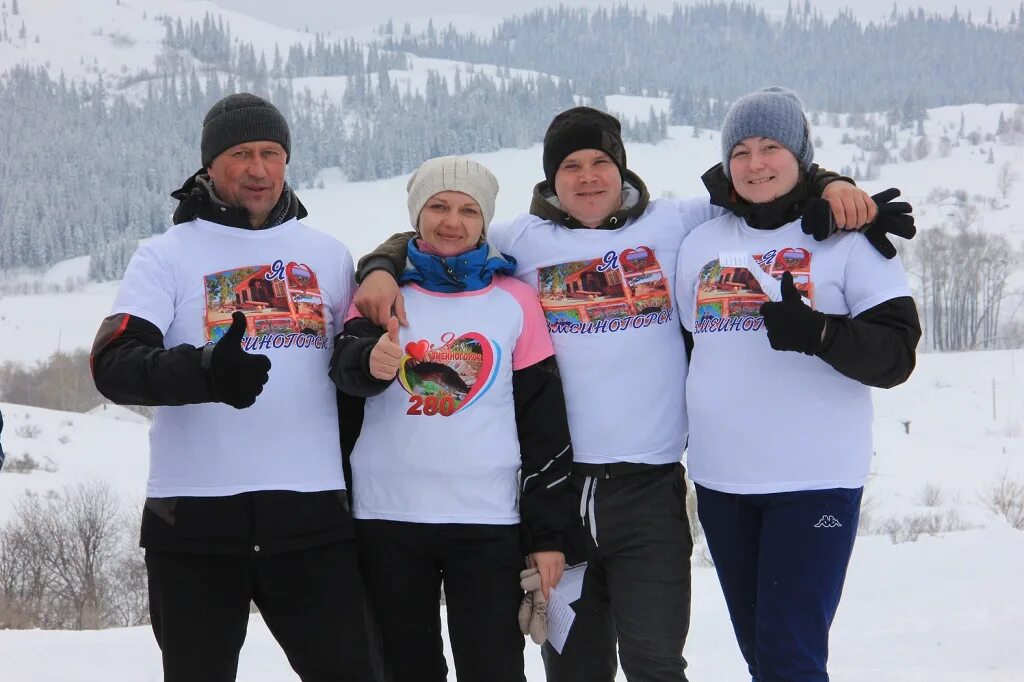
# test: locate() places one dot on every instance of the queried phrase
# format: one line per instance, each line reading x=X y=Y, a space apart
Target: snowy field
x=945 y=608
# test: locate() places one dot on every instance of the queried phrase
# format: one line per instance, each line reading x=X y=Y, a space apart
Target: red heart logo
x=639 y=258
x=463 y=367
x=417 y=350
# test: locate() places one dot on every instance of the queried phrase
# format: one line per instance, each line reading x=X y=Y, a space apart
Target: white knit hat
x=452 y=174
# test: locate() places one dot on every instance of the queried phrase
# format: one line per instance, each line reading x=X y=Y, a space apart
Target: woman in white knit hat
x=789 y=332
x=459 y=472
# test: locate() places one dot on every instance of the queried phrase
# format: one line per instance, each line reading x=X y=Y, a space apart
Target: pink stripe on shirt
x=534 y=343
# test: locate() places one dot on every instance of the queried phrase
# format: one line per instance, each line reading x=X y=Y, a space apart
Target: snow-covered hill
x=944 y=608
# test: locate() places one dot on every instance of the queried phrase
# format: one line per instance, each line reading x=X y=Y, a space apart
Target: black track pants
x=636 y=590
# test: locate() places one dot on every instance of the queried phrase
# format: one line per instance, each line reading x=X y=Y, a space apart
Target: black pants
x=312 y=602
x=403 y=566
x=637 y=585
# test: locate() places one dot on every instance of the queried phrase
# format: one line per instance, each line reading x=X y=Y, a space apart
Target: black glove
x=238 y=377
x=791 y=323
x=893 y=218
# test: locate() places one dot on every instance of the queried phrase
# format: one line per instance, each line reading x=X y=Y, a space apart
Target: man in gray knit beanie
x=245 y=147
x=239 y=118
x=773 y=112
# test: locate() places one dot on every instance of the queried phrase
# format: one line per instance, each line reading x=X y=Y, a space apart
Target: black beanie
x=240 y=118
x=582 y=128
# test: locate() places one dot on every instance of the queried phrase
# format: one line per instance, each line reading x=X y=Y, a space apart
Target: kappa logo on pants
x=828 y=521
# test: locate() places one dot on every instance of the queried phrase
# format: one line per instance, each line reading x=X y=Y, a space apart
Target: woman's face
x=762 y=169
x=451 y=222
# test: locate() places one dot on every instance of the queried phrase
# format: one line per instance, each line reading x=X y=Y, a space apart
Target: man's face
x=589 y=186
x=250 y=175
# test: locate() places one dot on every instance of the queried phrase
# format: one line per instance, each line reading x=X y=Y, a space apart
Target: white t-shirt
x=608 y=297
x=440 y=445
x=762 y=420
x=294 y=284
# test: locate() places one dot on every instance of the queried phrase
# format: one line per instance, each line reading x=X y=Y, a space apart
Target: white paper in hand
x=560 y=613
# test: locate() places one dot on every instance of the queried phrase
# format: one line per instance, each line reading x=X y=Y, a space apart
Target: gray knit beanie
x=773 y=112
x=451 y=174
x=241 y=118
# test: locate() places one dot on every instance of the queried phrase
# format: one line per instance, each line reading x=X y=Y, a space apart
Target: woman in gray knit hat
x=798 y=328
x=459 y=474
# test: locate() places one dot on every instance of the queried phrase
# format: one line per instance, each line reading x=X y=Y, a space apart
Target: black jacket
x=545 y=502
x=131 y=366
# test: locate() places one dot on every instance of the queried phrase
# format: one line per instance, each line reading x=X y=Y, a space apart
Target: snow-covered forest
x=131 y=126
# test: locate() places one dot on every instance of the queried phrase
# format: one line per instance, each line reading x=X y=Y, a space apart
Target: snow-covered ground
x=945 y=608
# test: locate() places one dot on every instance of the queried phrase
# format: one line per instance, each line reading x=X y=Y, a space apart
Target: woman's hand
x=378 y=293
x=386 y=354
x=550 y=566
x=852 y=207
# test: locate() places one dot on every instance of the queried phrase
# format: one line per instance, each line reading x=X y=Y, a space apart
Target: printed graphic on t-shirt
x=732 y=287
x=448 y=378
x=282 y=305
x=618 y=291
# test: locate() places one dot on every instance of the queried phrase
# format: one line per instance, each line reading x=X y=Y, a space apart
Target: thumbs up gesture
x=791 y=323
x=386 y=353
x=238 y=377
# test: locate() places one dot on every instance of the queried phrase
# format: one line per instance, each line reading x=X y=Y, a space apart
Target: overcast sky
x=327 y=15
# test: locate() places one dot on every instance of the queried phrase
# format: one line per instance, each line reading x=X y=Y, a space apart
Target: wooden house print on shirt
x=276 y=299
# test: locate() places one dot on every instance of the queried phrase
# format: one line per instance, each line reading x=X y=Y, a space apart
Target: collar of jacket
x=196 y=199
x=469 y=271
x=635 y=198
x=767 y=216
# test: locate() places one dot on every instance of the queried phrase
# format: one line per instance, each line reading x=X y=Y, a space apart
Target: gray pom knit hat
x=773 y=112
x=451 y=174
x=240 y=118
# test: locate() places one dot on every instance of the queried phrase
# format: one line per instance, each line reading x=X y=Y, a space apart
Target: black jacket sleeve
x=545 y=500
x=821 y=177
x=389 y=256
x=130 y=365
x=350 y=362
x=876 y=348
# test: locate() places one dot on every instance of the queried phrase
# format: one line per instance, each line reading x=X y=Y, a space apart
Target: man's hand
x=376 y=297
x=386 y=354
x=791 y=323
x=238 y=377
x=852 y=207
x=550 y=566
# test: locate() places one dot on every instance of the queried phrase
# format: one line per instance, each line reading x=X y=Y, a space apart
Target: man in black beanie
x=225 y=325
